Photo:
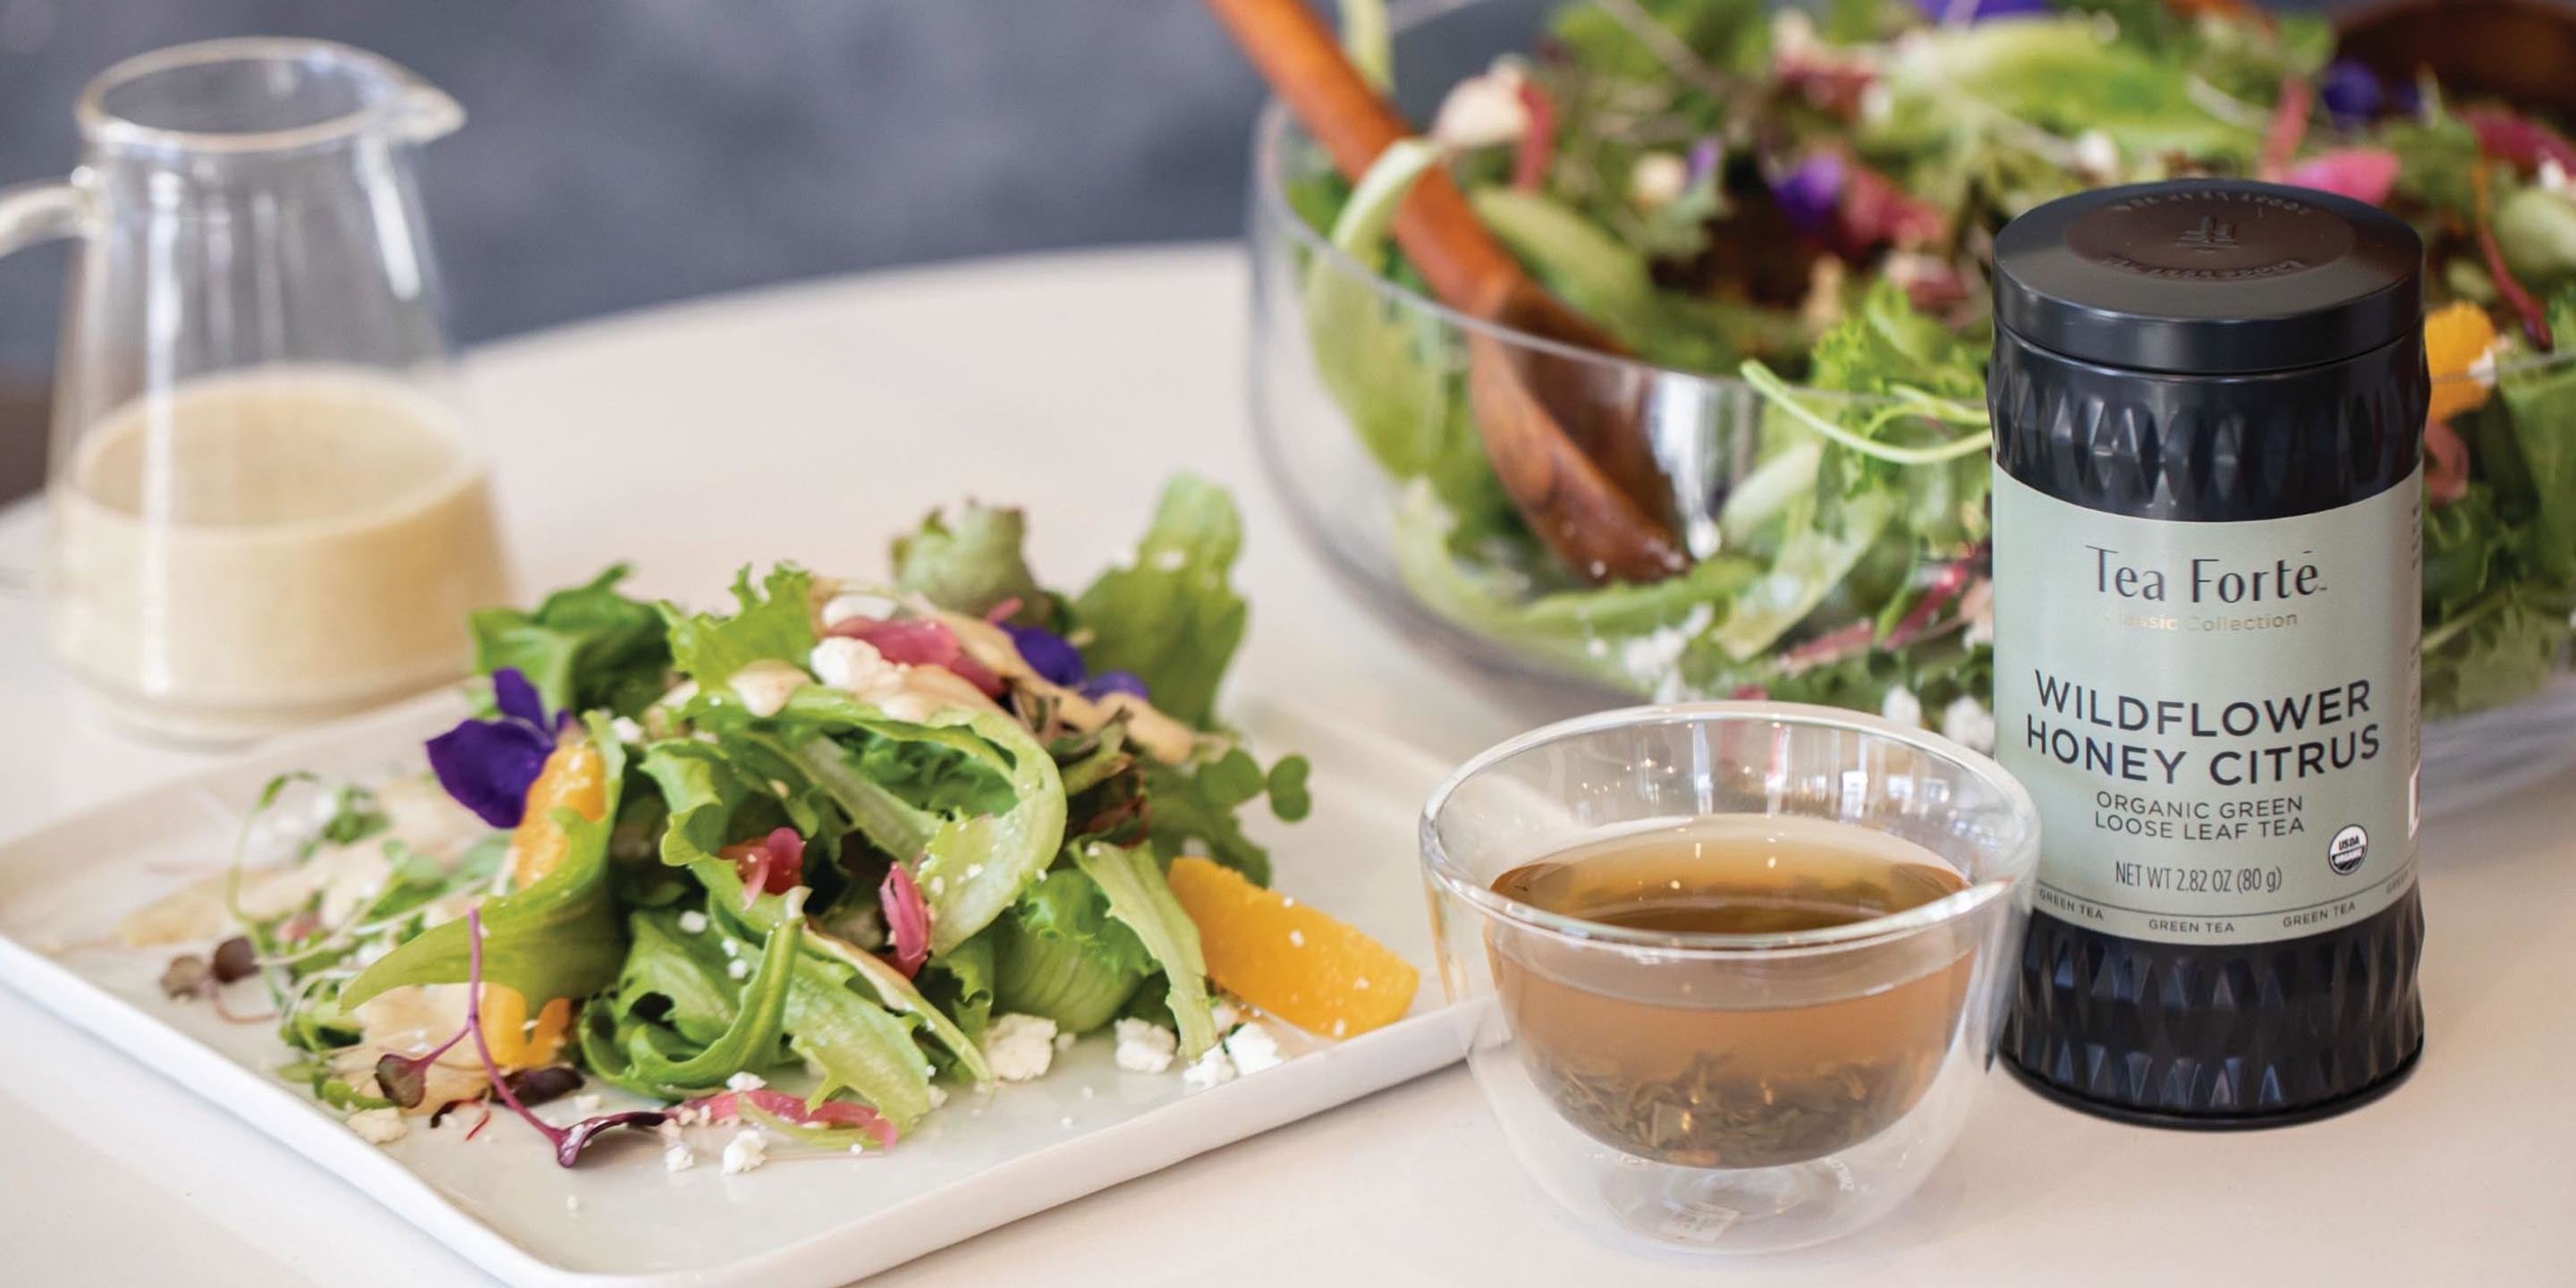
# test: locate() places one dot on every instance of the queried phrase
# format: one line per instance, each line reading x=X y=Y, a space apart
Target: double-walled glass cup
x=1723 y=1092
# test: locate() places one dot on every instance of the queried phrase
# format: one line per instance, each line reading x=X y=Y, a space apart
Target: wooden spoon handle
x=1292 y=48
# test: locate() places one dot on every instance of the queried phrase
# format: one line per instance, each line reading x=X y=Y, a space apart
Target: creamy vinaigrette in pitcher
x=251 y=551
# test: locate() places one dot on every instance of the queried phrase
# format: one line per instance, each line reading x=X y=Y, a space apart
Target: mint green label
x=2219 y=721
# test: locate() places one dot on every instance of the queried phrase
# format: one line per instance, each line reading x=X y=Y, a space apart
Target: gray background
x=619 y=152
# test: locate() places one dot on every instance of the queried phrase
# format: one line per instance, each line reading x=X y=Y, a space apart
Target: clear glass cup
x=1763 y=1134
x=265 y=509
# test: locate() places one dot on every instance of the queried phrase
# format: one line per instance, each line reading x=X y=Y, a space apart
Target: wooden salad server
x=1567 y=444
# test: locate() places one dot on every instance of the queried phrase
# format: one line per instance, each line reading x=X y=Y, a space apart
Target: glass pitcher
x=264 y=509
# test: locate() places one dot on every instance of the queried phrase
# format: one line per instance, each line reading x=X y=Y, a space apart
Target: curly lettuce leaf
x=971 y=563
x=558 y=936
x=858 y=1044
x=585 y=648
x=969 y=866
x=1133 y=883
x=1059 y=954
x=2540 y=402
x=1170 y=617
x=2502 y=647
x=1730 y=35
x=772 y=623
x=959 y=983
x=2061 y=75
x=686 y=981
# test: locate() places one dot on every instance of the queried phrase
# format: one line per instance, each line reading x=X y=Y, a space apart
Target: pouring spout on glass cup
x=265 y=508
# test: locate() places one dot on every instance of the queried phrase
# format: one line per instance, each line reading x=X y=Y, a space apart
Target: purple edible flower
x=487 y=764
x=1109 y=682
x=1981 y=10
x=2406 y=98
x=1054 y=658
x=1704 y=156
x=1810 y=192
x=2351 y=92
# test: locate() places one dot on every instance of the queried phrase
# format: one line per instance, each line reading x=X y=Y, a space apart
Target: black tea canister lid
x=2208 y=350
x=2208 y=276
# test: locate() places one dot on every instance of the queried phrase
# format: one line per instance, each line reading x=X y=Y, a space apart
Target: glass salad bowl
x=1871 y=595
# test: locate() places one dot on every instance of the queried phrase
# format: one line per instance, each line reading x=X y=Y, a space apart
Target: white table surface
x=814 y=422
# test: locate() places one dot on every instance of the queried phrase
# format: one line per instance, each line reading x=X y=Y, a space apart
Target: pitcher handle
x=43 y=211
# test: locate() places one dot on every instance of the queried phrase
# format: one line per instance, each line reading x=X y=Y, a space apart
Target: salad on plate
x=800 y=869
x=1800 y=201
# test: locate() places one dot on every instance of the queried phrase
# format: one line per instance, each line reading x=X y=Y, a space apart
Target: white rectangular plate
x=621 y=1219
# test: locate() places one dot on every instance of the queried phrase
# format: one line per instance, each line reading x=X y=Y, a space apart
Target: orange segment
x=2456 y=336
x=1289 y=959
x=515 y=1043
x=574 y=778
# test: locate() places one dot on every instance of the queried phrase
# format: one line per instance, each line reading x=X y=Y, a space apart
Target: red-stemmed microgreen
x=568 y=1141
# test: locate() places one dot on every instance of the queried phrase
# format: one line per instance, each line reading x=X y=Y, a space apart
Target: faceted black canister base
x=2219 y=1037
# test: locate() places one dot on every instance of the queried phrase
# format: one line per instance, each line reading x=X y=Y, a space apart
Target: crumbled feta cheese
x=585 y=1105
x=1340 y=1027
x=1145 y=1047
x=1901 y=706
x=1877 y=103
x=678 y=1157
x=1225 y=1013
x=572 y=1203
x=1657 y=180
x=745 y=1080
x=843 y=608
x=2097 y=156
x=745 y=1152
x=379 y=1126
x=1020 y=1047
x=1968 y=723
x=626 y=729
x=1252 y=1048
x=765 y=686
x=938 y=1095
x=1064 y=1041
x=693 y=922
x=850 y=665
x=1296 y=939
x=1212 y=1069
x=1481 y=111
x=1792 y=31
x=738 y=969
x=2482 y=368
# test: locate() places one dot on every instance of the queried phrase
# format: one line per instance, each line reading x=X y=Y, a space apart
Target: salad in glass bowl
x=1785 y=213
x=799 y=869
